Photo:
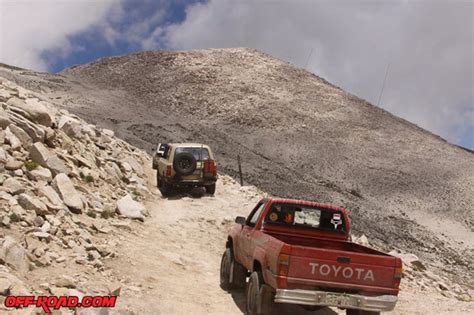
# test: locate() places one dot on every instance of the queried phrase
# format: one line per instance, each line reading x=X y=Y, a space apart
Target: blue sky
x=428 y=44
x=90 y=44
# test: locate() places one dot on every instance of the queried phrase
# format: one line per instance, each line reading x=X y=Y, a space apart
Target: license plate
x=338 y=300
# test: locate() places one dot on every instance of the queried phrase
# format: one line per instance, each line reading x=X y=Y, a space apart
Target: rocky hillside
x=297 y=134
x=80 y=214
x=63 y=182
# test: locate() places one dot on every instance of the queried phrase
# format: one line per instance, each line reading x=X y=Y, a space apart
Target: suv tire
x=210 y=189
x=184 y=163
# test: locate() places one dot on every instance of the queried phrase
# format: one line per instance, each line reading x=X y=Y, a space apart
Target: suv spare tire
x=184 y=163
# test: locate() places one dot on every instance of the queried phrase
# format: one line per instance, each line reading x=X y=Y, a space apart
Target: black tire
x=184 y=163
x=211 y=189
x=165 y=188
x=257 y=302
x=158 y=180
x=230 y=266
x=360 y=312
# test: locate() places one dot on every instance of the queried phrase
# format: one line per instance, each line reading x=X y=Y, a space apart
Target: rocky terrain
x=80 y=212
x=63 y=183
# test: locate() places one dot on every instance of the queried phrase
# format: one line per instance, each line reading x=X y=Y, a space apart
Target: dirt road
x=171 y=265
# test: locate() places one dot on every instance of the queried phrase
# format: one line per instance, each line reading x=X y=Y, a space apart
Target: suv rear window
x=199 y=154
x=305 y=217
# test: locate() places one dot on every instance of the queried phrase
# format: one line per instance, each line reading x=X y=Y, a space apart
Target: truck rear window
x=200 y=154
x=305 y=217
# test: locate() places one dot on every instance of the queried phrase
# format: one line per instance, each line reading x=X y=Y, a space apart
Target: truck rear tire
x=230 y=266
x=258 y=300
x=360 y=312
x=210 y=189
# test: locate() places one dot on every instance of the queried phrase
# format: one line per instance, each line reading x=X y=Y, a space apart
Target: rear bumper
x=179 y=182
x=381 y=303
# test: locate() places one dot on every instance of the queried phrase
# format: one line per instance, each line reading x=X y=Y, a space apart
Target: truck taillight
x=398 y=273
x=168 y=171
x=397 y=276
x=210 y=167
x=283 y=264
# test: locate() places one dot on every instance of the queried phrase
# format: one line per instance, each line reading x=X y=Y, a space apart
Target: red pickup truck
x=300 y=252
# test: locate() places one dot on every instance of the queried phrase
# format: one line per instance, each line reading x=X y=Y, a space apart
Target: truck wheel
x=165 y=188
x=259 y=300
x=211 y=189
x=360 y=312
x=184 y=163
x=230 y=267
x=158 y=180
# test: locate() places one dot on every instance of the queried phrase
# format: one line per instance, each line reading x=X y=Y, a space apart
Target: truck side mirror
x=240 y=220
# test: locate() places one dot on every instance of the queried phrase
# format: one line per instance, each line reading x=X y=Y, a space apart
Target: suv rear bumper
x=190 y=182
x=381 y=303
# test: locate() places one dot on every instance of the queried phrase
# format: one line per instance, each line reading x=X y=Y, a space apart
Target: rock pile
x=62 y=181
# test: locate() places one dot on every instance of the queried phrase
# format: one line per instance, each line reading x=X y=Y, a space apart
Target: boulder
x=13 y=165
x=34 y=131
x=49 y=193
x=70 y=126
x=13 y=186
x=31 y=203
x=32 y=109
x=82 y=161
x=137 y=168
x=14 y=255
x=57 y=166
x=41 y=174
x=125 y=167
x=130 y=208
x=3 y=156
x=65 y=188
x=10 y=284
x=65 y=282
x=43 y=236
x=12 y=140
x=24 y=138
x=409 y=260
x=41 y=155
x=108 y=132
x=4 y=119
x=2 y=136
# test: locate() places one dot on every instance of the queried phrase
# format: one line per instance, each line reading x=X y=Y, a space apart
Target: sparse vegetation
x=106 y=214
x=88 y=179
x=91 y=214
x=30 y=165
x=136 y=194
x=14 y=217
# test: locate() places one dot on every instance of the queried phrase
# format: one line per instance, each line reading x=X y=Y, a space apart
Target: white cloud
x=428 y=44
x=27 y=28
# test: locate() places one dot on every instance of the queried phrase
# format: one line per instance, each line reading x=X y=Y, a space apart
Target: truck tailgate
x=337 y=268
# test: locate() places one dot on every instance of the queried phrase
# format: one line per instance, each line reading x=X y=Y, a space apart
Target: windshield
x=306 y=217
x=199 y=154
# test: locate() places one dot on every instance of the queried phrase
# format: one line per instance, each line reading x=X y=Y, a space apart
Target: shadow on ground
x=280 y=309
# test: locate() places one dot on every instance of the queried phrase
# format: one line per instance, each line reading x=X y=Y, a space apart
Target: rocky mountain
x=80 y=213
x=297 y=134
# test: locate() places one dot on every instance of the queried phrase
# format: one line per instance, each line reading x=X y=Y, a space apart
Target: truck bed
x=325 y=243
x=342 y=265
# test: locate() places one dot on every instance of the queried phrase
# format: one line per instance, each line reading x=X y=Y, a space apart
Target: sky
x=423 y=50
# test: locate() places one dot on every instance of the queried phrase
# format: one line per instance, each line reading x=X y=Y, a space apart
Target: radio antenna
x=383 y=84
